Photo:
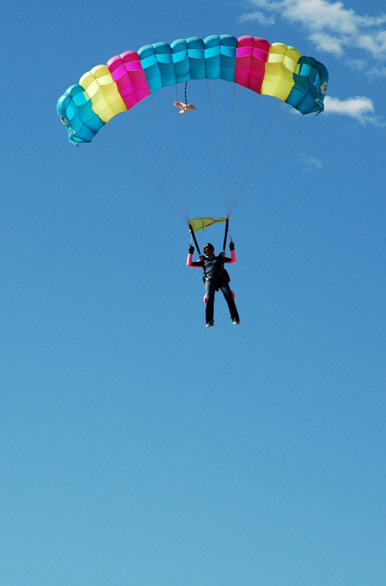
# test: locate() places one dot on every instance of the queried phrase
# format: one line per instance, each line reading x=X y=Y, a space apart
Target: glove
x=231 y=245
x=191 y=249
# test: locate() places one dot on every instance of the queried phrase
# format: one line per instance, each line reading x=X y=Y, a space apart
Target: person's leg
x=231 y=303
x=209 y=310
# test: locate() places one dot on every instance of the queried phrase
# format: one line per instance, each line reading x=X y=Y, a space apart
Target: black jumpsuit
x=215 y=278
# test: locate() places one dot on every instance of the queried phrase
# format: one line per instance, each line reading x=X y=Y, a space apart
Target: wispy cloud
x=360 y=108
x=260 y=17
x=377 y=71
x=309 y=163
x=329 y=25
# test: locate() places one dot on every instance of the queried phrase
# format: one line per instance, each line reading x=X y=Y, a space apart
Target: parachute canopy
x=269 y=69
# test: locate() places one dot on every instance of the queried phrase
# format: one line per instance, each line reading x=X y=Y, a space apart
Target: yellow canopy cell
x=103 y=92
x=279 y=69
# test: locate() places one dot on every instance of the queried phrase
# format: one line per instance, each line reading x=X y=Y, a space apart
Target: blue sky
x=137 y=447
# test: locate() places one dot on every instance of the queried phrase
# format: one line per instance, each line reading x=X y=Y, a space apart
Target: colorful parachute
x=270 y=69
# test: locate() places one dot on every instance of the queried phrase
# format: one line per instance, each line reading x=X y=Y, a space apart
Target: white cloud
x=309 y=163
x=351 y=107
x=320 y=15
x=332 y=27
x=375 y=44
x=358 y=64
x=359 y=108
x=259 y=17
x=377 y=72
x=328 y=43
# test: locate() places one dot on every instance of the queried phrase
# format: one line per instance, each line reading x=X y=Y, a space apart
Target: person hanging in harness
x=215 y=278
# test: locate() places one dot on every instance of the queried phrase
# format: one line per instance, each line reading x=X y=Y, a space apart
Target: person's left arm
x=233 y=257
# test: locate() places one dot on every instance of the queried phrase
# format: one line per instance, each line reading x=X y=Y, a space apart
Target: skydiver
x=215 y=278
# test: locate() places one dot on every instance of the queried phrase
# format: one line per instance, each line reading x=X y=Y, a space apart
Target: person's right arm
x=190 y=262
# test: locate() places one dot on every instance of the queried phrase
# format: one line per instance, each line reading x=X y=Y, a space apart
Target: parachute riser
x=226 y=234
x=195 y=239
